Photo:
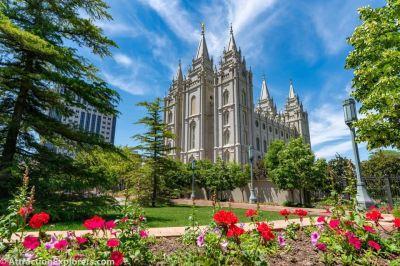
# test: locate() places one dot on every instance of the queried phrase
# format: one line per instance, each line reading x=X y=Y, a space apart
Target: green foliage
x=375 y=60
x=152 y=144
x=382 y=163
x=42 y=77
x=293 y=166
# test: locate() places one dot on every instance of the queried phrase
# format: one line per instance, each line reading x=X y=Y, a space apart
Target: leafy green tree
x=341 y=174
x=43 y=75
x=382 y=163
x=152 y=143
x=293 y=166
x=239 y=176
x=376 y=63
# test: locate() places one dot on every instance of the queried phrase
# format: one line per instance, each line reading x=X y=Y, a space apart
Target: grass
x=170 y=216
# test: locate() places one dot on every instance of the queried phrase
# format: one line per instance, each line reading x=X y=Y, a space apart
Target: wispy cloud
x=123 y=59
x=331 y=150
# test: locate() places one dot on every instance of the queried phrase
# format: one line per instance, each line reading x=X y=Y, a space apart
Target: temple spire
x=179 y=75
x=232 y=43
x=292 y=94
x=264 y=90
x=202 y=49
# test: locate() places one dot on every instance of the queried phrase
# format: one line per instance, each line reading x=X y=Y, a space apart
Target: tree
x=240 y=177
x=376 y=63
x=152 y=143
x=341 y=174
x=293 y=166
x=42 y=76
x=382 y=163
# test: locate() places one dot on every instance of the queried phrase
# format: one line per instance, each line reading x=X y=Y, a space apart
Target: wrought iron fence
x=384 y=190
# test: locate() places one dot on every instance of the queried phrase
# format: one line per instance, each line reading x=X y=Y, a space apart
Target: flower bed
x=345 y=238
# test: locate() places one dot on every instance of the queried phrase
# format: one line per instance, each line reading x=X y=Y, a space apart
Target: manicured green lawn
x=171 y=216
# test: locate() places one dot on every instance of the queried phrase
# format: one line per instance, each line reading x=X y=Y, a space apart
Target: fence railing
x=384 y=189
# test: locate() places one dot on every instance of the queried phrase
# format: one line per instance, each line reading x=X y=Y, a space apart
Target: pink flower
x=374 y=245
x=353 y=240
x=31 y=242
x=281 y=240
x=81 y=240
x=143 y=234
x=4 y=262
x=113 y=242
x=62 y=244
x=334 y=223
x=321 y=219
x=369 y=229
x=200 y=240
x=50 y=244
x=110 y=224
x=321 y=246
x=94 y=223
x=314 y=238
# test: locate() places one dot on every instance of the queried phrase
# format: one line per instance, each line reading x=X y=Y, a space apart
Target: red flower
x=353 y=240
x=265 y=231
x=117 y=257
x=225 y=218
x=396 y=223
x=81 y=240
x=321 y=246
x=285 y=213
x=321 y=219
x=110 y=224
x=39 y=219
x=334 y=223
x=374 y=245
x=123 y=220
x=374 y=215
x=251 y=213
x=234 y=231
x=25 y=211
x=78 y=256
x=4 y=263
x=113 y=242
x=31 y=242
x=369 y=229
x=61 y=244
x=301 y=213
x=94 y=223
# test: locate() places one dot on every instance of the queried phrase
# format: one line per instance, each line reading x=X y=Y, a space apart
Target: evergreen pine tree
x=43 y=75
x=152 y=142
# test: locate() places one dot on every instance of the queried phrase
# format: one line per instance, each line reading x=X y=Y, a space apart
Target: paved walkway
x=241 y=205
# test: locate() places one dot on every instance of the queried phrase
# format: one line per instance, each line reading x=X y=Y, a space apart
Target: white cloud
x=333 y=27
x=332 y=149
x=176 y=18
x=123 y=59
x=125 y=82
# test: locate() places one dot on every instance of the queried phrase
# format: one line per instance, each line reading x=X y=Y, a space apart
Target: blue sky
x=304 y=40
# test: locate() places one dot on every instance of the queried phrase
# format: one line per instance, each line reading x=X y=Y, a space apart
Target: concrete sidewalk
x=241 y=205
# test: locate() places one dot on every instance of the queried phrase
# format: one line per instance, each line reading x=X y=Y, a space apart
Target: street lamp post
x=350 y=115
x=253 y=198
x=193 y=168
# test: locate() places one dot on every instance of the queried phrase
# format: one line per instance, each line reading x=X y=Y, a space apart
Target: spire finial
x=179 y=62
x=231 y=29
x=263 y=76
x=203 y=28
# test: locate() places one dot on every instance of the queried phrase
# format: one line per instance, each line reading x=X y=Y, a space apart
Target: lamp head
x=350 y=112
x=251 y=152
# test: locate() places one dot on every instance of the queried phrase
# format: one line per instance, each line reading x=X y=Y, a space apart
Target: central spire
x=202 y=50
x=264 y=90
x=231 y=44
x=291 y=90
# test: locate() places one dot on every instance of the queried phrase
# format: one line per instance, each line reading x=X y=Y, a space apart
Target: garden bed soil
x=301 y=252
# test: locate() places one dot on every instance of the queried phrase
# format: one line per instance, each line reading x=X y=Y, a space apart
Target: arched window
x=256 y=123
x=244 y=98
x=245 y=137
x=244 y=119
x=192 y=135
x=225 y=137
x=258 y=143
x=169 y=117
x=225 y=97
x=265 y=146
x=226 y=156
x=193 y=105
x=225 y=118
